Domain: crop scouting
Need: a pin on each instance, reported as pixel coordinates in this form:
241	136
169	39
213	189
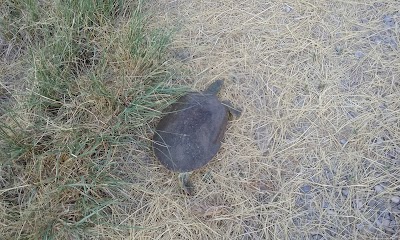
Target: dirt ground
316	152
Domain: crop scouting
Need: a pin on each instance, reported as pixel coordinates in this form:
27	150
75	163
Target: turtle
189	135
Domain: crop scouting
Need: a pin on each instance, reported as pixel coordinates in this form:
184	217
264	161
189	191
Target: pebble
378	188
395	199
305	189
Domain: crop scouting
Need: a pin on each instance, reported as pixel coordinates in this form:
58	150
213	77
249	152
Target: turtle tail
214	87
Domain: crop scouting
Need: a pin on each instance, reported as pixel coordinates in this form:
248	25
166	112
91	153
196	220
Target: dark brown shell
190	135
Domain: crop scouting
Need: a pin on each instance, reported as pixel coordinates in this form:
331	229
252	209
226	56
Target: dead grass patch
318	84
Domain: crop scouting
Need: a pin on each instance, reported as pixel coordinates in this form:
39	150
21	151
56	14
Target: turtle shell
190	135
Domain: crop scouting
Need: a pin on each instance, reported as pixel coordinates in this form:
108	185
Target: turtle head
214	87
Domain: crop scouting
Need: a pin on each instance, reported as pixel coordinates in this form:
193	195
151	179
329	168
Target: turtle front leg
185	182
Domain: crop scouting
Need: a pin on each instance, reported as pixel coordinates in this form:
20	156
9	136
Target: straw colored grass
318	83
314	155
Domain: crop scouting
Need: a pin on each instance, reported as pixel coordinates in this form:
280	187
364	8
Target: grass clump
93	79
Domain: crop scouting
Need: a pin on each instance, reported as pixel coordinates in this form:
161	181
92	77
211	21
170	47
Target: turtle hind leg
233	111
214	87
185	183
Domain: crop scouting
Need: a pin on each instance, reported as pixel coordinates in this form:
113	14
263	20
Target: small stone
359	54
378	188
345	192
305	189
395	199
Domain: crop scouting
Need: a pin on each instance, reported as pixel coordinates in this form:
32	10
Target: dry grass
315	154
318	83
